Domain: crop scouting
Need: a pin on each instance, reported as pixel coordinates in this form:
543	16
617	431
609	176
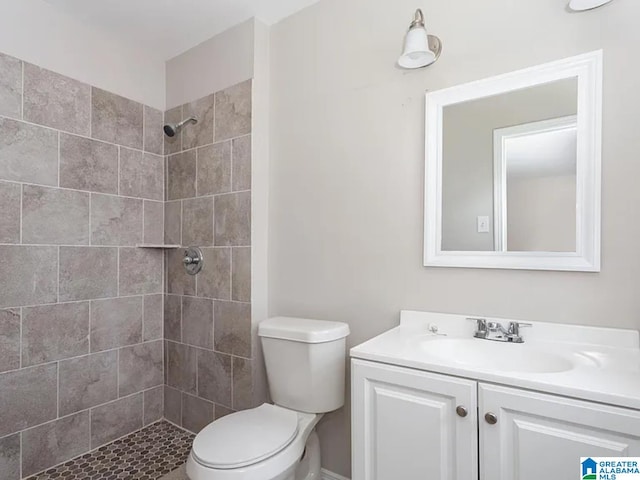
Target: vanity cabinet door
534	435
405	425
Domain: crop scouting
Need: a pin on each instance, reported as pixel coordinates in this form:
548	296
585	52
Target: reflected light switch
483	224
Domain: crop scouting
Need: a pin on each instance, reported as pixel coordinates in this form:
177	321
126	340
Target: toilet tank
305	361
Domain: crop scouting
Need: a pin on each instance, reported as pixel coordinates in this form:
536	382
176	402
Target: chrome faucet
497	332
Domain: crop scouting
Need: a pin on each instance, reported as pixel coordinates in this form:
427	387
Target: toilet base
309	466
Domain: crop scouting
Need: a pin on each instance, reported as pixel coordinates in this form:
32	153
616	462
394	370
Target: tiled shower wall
209	365
81	309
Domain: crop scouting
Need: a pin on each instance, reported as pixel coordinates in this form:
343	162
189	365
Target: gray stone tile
55	442
153	318
28	275
241	274
56	101
214	169
115	419
10	87
116	322
88	273
116	119
10	457
115	220
173	405
220	411
88	381
29	153
140	271
153	223
141	174
153	404
173	144
153	133
233	111
242	163
166	361
214	281
233	220
197	221
232	328
173	317
140	367
201	133
10	208
88	164
260	387
242	384
181	171
9	340
214	377
197	322
54	216
197	413
173	223
181	367
28	397
54	332
178	281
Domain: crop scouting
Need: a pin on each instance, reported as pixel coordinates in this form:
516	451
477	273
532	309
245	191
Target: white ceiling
170	27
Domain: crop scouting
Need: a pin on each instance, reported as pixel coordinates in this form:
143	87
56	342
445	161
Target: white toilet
305	361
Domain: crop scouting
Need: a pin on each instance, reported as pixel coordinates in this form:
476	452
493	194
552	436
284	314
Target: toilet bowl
305	364
264	443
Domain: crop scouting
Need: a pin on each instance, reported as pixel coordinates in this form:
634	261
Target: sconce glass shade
416	52
420	49
580	5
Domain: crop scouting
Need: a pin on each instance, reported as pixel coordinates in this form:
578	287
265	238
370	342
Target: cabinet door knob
491	418
461	411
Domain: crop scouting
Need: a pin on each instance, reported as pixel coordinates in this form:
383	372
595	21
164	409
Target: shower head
172	129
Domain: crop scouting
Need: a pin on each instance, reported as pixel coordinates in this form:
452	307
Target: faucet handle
514	327
479	321
481	327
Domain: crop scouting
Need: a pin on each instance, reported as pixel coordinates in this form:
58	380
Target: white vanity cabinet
405	424
543	436
406	427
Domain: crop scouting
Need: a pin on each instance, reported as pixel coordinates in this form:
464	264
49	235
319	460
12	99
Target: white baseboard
327	475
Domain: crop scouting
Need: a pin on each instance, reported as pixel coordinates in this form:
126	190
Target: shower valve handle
189	260
193	260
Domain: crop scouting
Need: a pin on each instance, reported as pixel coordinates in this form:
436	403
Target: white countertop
607	361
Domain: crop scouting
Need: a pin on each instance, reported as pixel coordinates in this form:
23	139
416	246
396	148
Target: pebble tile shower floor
147	454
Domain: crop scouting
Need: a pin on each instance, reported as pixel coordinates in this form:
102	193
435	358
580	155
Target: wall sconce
581	5
420	48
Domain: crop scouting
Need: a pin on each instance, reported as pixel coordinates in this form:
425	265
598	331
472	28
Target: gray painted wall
347	165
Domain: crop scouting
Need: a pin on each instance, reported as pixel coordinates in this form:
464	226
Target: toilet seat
245	438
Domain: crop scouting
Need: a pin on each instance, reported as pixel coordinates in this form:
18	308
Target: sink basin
501	357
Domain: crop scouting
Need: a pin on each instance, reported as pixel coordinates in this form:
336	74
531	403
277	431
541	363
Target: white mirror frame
588	70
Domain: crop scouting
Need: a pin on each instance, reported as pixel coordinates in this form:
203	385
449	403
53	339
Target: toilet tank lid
303	330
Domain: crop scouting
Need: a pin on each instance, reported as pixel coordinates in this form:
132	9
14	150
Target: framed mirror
513	169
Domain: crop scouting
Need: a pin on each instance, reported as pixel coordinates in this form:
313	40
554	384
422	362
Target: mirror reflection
509	171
